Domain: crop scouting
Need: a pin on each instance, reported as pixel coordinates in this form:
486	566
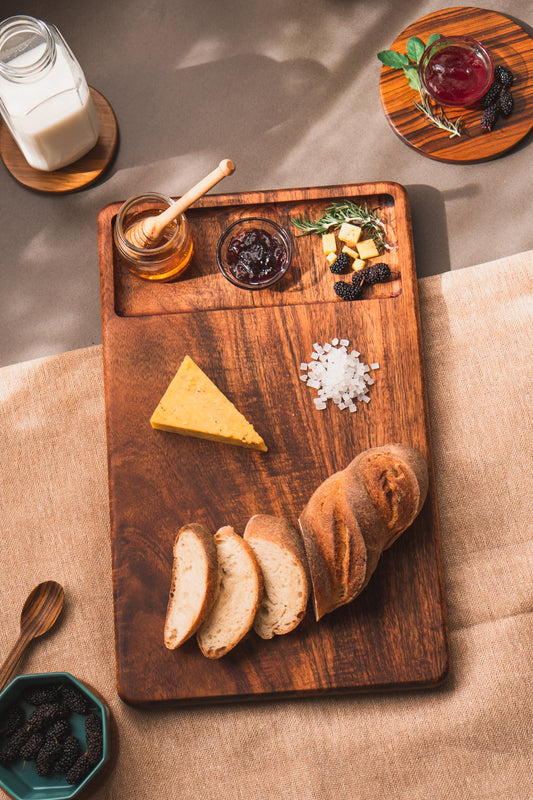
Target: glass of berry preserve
254	253
456	71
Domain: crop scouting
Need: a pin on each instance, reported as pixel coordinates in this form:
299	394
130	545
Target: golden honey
168	257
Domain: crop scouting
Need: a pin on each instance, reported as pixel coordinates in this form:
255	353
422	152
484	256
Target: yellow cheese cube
358	264
328	243
367	249
349	233
330	258
350	252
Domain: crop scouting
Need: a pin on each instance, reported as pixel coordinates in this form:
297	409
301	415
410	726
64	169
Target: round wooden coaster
508	44
74	176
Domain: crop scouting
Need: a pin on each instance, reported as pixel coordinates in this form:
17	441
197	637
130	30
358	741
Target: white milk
55	131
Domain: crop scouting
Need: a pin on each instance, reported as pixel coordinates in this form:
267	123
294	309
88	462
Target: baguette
354	515
238	597
396	478
194	583
280	554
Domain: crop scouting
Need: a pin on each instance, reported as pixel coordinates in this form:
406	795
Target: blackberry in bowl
254	253
55	737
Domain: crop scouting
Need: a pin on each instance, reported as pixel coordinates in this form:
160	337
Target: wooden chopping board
251	345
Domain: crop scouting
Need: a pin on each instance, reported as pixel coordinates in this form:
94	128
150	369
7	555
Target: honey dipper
148	230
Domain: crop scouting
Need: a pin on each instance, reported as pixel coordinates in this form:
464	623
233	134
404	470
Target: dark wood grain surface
508	44
251	344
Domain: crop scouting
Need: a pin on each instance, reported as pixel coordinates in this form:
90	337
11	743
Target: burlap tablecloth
470	738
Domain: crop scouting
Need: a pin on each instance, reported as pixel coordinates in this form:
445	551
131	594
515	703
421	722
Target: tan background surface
287	88
468	740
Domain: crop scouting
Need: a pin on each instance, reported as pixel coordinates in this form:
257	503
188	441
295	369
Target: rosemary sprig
439	120
346	211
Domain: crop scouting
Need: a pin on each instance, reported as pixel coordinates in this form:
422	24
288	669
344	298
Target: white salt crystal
337	375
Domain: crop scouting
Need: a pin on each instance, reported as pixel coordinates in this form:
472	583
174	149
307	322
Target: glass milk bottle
44	97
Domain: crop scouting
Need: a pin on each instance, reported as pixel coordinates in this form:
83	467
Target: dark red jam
456	76
256	256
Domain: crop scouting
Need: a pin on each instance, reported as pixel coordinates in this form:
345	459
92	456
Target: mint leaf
393	59
433	38
415	48
411	73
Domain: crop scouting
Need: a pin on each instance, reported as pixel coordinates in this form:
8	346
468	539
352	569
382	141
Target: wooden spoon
148	230
40	611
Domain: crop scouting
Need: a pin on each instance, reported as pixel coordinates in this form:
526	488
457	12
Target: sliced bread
238	598
194	583
280	553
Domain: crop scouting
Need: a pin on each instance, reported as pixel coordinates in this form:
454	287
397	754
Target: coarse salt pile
337	375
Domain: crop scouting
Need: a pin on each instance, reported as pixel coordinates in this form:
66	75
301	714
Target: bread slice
194	583
239	594
280	554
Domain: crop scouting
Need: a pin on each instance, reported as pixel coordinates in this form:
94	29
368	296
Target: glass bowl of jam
254	253
456	71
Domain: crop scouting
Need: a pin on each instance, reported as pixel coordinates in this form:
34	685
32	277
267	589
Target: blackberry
95	738
490	115
503	75
341	264
59	730
46	714
14	745
377	273
13	719
492	95
42	695
346	291
30	749
47	756
75	700
357	281
506	103
69	754
79	770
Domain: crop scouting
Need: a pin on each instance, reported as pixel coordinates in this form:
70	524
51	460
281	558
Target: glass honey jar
165	259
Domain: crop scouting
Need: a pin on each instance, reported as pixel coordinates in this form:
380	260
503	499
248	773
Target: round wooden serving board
508	44
75	176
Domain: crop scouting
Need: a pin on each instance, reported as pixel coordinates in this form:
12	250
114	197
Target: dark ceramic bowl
244	270
19	778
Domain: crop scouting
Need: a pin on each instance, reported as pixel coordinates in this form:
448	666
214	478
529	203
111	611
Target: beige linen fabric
468	739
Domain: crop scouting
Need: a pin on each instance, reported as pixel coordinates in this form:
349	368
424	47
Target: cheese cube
358	264
328	243
350	252
349	233
367	249
330	258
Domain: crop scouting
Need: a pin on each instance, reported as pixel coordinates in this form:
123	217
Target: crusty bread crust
396	478
354	515
239	594
185	614
280	553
